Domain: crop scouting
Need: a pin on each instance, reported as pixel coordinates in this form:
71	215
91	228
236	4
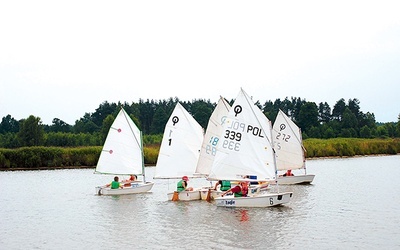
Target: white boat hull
259	200
186	195
297	179
135	188
217	193
214	193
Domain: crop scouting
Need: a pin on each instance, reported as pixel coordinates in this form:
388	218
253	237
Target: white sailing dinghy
289	150
179	151
209	146
246	149
122	154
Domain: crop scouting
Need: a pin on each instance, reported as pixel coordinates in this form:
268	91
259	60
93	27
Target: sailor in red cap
183	185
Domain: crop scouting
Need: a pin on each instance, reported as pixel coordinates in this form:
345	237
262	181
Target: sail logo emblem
223	119
282	127
175	120
238	109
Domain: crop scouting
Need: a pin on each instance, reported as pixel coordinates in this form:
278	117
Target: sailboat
179	151
246	149
289	150
210	142
122	154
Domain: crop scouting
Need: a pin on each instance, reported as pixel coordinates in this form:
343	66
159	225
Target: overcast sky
61	59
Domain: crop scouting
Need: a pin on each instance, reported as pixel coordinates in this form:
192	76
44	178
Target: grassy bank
57	157
339	147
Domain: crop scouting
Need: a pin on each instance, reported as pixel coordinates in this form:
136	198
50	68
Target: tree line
345	119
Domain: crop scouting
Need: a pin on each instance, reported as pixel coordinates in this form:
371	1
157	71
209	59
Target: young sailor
225	185
182	185
239	190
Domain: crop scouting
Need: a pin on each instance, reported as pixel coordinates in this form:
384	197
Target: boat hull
217	193
259	200
186	195
297	179
135	188
214	193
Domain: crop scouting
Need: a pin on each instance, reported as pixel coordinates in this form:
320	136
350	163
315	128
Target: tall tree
103	111
368	120
297	104
349	119
147	110
86	125
324	112
308	116
269	110
202	111
31	132
60	126
338	110
9	125
160	119
354	107
287	107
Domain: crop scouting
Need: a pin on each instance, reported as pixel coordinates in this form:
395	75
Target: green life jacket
114	185
180	187
225	185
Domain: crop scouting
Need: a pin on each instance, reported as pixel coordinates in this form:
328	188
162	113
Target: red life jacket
243	192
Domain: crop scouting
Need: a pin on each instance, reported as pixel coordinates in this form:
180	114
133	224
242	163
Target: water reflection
243	215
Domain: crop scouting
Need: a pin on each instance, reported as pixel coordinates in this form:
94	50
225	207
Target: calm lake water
352	204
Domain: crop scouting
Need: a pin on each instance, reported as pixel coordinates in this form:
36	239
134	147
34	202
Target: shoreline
151	165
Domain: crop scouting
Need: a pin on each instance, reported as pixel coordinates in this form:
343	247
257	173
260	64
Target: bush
151	154
55	157
350	147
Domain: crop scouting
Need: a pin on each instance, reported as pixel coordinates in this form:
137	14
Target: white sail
212	137
122	150
245	146
288	143
180	146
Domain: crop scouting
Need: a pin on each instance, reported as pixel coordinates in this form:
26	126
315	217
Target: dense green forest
341	131
344	120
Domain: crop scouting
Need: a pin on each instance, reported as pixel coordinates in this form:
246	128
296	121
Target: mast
275	164
141	148
304	152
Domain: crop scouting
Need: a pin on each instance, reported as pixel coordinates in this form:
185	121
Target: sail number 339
233	139
234	132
